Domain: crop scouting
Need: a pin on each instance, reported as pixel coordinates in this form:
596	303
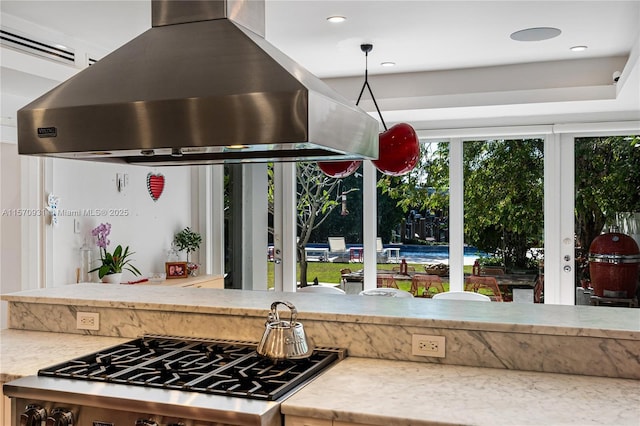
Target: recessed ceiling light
578	48
535	34
388	64
336	19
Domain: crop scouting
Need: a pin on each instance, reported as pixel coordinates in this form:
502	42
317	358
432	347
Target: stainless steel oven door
107	404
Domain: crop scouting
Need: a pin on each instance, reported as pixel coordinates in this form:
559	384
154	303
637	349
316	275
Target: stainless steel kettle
284	339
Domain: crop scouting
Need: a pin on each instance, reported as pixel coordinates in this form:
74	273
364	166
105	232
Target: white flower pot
112	278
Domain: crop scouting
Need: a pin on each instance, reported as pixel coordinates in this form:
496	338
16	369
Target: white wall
10	247
146	226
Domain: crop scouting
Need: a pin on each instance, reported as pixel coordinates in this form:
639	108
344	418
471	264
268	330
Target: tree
347	223
607	181
503	209
503	197
318	195
410	190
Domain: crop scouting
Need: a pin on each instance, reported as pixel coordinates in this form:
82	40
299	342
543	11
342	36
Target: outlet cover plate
88	321
425	345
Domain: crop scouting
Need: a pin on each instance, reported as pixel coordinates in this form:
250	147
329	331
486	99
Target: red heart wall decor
155	185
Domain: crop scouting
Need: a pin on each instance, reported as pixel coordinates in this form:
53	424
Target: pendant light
399	149
339	169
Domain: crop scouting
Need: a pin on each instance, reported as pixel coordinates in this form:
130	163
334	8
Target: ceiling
455	62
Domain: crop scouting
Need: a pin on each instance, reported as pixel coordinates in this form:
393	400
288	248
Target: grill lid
202	86
614	247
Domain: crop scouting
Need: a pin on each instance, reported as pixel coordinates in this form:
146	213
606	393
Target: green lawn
329	272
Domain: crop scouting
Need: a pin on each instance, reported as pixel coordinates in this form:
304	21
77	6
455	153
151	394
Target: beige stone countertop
592	321
23	353
400	393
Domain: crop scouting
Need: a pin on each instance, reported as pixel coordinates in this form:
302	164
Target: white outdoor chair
320	289
386	255
337	245
381	253
385	291
338	249
462	295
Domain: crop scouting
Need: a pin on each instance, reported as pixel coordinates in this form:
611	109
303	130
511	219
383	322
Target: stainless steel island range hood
202	86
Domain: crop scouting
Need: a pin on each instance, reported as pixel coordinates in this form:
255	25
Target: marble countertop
588	321
382	392
23	353
402	393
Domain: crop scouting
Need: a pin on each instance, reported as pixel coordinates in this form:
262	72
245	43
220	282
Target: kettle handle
273	316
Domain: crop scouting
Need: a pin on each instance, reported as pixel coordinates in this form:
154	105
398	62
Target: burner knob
60	417
146	422
33	415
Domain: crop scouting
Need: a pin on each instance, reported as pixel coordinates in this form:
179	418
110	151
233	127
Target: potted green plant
189	241
112	263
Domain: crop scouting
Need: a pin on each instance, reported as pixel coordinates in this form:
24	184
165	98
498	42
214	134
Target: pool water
436	254
425	254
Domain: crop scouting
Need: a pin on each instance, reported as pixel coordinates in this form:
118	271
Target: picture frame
176	270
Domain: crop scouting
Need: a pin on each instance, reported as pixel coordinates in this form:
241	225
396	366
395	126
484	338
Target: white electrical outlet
423	345
88	321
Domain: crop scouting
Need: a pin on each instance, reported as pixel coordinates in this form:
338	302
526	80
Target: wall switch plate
76	226
122	180
88	321
424	345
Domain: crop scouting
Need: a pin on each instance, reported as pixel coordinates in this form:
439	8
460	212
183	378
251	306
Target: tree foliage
503	208
607	181
317	196
503	194
503	197
410	191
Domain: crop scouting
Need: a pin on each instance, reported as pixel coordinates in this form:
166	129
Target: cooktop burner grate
209	366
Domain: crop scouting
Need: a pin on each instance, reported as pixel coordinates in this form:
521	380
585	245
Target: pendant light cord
366	48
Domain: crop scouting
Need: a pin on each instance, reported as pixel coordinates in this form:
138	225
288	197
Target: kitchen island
383	392
361	391
530	337
499	357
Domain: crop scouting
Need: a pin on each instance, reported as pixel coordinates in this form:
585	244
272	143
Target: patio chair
462	295
426	282
386	281
538	289
388	292
338	249
320	289
475	283
386	255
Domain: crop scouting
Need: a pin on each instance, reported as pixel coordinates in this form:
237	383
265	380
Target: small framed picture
176	269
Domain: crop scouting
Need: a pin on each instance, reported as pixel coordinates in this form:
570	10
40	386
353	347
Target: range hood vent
202	86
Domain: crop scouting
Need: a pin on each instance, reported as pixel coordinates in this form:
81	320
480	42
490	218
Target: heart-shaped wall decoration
155	185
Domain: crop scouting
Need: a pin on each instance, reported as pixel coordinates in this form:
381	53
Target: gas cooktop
218	367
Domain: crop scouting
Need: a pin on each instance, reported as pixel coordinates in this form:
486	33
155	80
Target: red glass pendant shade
399	150
398	147
339	169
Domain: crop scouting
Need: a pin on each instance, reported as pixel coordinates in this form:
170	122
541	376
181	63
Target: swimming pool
424	254
435	254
